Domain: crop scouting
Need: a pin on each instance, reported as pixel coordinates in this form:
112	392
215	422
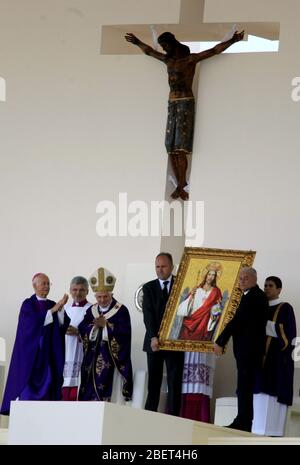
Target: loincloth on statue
180	125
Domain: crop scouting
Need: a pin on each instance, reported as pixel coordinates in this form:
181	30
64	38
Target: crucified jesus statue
181	65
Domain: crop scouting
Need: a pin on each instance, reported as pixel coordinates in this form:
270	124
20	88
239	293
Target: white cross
191	26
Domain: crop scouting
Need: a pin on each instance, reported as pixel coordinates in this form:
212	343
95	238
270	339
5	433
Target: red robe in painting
194	327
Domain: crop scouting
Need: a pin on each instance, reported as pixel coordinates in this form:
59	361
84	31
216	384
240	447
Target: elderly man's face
78	292
103	298
41	285
247	280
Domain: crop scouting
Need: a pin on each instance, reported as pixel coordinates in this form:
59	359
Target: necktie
165	291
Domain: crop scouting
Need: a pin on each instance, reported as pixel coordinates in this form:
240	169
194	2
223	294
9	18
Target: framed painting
204	298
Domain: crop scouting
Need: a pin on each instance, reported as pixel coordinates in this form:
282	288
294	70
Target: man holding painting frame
155	297
247	328
243	316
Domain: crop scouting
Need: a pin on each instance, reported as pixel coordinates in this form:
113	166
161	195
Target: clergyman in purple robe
106	335
273	390
37	362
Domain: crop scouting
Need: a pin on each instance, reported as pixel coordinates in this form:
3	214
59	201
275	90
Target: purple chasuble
36	367
102	357
276	376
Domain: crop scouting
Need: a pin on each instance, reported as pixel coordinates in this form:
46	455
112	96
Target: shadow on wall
225	378
297	382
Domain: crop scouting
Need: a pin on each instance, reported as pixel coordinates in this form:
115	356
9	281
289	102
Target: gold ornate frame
230	262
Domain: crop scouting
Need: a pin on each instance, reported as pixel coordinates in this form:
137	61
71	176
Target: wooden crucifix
181	65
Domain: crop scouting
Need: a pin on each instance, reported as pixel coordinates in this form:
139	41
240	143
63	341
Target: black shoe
233	425
239	426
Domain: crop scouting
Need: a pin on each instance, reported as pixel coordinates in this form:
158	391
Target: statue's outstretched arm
144	47
219	48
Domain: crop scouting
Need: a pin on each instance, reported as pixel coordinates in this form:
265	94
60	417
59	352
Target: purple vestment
36	367
276	377
101	357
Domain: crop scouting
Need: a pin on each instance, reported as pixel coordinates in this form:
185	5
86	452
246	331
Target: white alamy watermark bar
295	95
2	89
296	350
153	219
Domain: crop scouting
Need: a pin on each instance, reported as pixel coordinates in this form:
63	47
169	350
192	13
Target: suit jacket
153	310
248	328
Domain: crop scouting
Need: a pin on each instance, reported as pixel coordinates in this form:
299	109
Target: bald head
41	285
248	278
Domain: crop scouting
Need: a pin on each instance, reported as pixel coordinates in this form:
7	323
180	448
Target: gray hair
79	280
249	270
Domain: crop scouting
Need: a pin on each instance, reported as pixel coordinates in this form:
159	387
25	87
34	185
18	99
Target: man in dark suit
155	298
247	328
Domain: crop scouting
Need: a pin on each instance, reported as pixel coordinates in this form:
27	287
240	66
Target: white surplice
74	350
